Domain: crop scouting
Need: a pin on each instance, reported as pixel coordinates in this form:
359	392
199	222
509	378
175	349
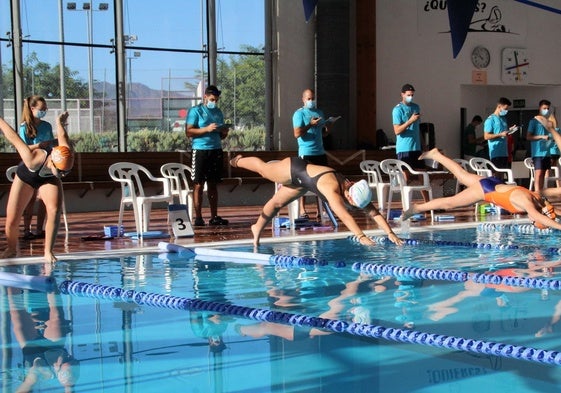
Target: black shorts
207	166
316	160
543	163
412	158
501	162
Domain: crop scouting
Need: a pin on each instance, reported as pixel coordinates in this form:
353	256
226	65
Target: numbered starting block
180	221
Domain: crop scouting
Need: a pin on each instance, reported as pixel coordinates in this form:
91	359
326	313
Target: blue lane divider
378	269
99	291
516	228
211	254
440	243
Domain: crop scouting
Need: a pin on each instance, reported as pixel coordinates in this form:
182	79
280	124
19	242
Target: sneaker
217	220
28	235
199	222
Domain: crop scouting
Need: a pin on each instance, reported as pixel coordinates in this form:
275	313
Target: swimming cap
361	193
62	158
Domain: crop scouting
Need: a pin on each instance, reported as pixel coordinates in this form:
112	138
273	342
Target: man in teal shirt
540	145
495	132
310	127
406	117
205	125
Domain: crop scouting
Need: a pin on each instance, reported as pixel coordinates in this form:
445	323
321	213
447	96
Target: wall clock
515	65
480	57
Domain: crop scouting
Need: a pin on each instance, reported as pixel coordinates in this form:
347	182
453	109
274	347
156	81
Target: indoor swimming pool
451	311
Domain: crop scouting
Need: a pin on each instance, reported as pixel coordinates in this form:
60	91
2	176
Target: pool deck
238	231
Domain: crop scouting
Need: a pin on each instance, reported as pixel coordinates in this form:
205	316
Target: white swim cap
361	193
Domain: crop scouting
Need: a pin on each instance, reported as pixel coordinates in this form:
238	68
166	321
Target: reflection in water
136	347
40	329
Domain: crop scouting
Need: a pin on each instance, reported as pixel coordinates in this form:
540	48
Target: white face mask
211	104
408	99
503	112
310	104
544	112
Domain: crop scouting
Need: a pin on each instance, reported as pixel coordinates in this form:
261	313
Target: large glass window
166	66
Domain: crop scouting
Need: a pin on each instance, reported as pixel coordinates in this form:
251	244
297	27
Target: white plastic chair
395	169
11	174
529	163
371	168
555	178
178	175
131	177
465	165
486	168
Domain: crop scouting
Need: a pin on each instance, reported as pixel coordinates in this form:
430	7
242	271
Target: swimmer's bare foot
255	331
407	214
256	235
437	315
544	330
234	161
8	253
429	154
50	257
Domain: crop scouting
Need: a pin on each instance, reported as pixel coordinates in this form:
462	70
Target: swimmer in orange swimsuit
513	198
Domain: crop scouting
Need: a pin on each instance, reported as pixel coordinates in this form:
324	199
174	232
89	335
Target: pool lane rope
210	254
515	228
440	243
378	269
99	291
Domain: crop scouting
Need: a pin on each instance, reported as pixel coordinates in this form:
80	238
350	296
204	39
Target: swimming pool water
123	346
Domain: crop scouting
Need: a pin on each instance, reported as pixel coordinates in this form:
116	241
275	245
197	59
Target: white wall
293	67
414	46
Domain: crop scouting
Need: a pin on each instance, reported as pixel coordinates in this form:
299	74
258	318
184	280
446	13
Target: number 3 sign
180	221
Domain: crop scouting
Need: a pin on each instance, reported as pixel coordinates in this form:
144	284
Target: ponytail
27	115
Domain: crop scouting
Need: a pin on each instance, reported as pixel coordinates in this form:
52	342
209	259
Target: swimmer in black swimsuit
40	168
297	177
43	349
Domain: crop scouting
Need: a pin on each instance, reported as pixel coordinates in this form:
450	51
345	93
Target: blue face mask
41	114
544	112
310	104
503	112
408	99
211	104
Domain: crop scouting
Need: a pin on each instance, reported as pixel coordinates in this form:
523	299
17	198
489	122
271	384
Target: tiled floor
240	217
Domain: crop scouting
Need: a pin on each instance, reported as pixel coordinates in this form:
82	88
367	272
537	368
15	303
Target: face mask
310	104
211	104
503	112
544	112
41	114
408	99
